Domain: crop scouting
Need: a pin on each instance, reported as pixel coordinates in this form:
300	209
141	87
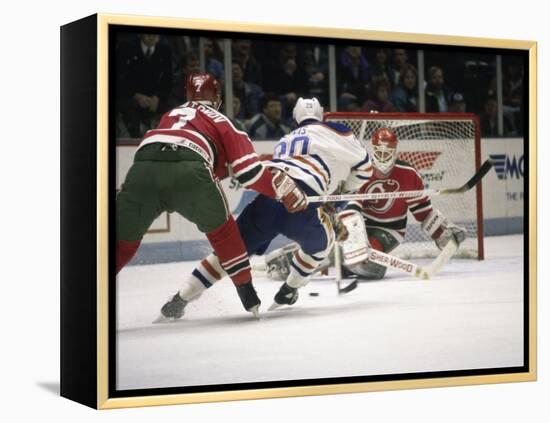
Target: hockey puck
313	294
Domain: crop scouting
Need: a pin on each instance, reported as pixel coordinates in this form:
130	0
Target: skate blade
274	306
162	319
255	311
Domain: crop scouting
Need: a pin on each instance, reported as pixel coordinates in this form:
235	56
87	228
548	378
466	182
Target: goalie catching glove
288	193
438	227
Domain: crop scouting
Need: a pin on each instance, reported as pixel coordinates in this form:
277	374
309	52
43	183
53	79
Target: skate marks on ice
218	311
469	316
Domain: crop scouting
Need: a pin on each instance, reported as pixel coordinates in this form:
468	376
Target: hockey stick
426	272
262	267
446	253
338	265
387	260
473	181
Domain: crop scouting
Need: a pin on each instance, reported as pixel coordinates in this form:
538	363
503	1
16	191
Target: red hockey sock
125	250
229	247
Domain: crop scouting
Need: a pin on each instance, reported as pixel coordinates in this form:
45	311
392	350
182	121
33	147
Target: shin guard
229	247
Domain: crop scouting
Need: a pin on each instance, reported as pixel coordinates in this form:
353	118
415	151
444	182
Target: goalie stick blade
348	288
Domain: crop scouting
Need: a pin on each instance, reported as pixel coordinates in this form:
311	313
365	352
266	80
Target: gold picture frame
95	393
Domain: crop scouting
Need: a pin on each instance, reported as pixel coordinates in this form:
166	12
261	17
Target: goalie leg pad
355	248
381	240
278	261
368	270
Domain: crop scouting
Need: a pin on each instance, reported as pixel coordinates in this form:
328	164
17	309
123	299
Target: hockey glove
339	228
451	232
438	227
292	197
342	233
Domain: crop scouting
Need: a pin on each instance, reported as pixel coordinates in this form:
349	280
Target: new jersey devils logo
387	185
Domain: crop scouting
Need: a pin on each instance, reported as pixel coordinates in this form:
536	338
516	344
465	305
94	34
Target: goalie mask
204	88
384	150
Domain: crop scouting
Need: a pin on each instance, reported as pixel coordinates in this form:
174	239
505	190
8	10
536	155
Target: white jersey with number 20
321	154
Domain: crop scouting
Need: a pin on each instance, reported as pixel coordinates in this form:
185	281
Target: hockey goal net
445	150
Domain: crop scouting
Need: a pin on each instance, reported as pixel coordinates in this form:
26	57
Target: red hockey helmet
204	88
384	149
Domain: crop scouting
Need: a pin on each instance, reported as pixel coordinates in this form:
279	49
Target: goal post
445	149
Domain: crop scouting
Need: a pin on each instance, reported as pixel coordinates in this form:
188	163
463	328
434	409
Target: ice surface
468	316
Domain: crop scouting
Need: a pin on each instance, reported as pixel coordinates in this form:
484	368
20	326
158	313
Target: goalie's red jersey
391	214
212	135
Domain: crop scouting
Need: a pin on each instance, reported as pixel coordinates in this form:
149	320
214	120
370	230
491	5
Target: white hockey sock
208	272
302	266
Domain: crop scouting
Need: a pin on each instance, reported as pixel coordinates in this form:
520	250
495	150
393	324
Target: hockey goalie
381	224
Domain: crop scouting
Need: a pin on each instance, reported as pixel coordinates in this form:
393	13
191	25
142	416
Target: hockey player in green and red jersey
178	166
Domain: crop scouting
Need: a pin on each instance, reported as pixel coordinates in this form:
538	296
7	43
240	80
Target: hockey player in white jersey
318	156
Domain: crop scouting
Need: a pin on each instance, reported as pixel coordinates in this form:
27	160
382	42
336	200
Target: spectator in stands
512	91
238	123
457	104
316	67
181	47
399	61
352	106
512	84
379	96
405	95
144	82
252	70
353	76
437	93
190	63
287	79
268	125
213	57
249	94
380	68
488	118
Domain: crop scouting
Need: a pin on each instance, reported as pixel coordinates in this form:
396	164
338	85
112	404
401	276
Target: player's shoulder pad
338	127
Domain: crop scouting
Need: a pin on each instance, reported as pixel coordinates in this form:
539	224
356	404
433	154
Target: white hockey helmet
307	108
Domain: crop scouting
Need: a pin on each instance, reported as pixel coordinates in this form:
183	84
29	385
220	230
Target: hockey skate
249	298
286	296
172	310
